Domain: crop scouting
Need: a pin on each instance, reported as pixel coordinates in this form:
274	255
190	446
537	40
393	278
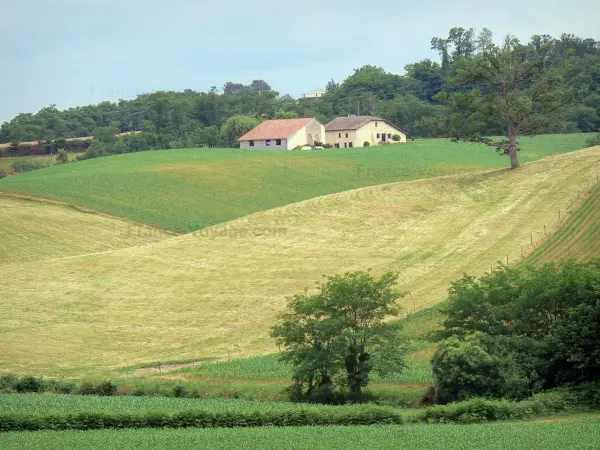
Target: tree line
422	101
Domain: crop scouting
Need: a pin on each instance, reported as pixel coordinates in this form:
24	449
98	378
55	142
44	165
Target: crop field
581	433
54	403
578	238
218	290
36	231
186	190
269	367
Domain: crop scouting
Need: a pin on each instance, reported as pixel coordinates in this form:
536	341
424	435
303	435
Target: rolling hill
37	231
578	238
186	190
219	289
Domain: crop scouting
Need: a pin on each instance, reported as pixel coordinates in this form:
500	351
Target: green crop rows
185	190
583	434
269	367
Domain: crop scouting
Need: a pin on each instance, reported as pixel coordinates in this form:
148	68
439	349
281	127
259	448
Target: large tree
508	88
341	333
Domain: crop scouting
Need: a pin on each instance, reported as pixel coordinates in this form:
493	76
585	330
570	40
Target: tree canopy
338	335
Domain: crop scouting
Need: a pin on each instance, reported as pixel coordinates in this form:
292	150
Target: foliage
396	137
517	330
507	88
26	165
62	157
3	172
235	127
341	332
593	141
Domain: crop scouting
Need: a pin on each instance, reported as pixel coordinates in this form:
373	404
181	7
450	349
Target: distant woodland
168	119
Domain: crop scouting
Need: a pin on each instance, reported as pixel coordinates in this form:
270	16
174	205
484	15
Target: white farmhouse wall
262	145
314	131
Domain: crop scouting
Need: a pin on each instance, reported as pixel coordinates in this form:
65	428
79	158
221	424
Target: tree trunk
512	146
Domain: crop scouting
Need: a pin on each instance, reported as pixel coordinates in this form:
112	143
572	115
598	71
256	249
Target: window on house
339	134
337	145
268	142
377	135
251	143
346	134
349	144
389	135
375	123
278	142
345	145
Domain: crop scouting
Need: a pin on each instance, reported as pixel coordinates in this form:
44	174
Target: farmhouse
283	134
354	131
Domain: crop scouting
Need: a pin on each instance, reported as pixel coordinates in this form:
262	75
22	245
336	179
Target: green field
577	433
185	190
53	403
269	367
577	238
217	291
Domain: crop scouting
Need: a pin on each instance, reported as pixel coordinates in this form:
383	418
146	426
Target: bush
26	165
104	388
10	421
366	144
3	172
28	384
327	145
396	137
62	157
593	141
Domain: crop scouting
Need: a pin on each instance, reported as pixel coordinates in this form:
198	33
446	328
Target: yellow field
35	231
220	288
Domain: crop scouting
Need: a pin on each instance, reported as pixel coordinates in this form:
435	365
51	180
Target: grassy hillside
220	289
578	237
185	190
35	231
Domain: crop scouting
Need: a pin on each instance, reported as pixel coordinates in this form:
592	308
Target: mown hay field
578	237
219	290
36	231
186	190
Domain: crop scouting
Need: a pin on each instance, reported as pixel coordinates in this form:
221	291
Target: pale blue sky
77	52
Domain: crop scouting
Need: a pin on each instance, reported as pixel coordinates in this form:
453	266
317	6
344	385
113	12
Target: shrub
104	388
396	137
26	165
327	145
593	141
28	384
3	172
62	157
366	144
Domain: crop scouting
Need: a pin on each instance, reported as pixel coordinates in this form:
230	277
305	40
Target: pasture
579	432
37	231
578	237
218	290
186	190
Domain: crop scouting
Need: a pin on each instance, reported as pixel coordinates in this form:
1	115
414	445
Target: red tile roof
275	129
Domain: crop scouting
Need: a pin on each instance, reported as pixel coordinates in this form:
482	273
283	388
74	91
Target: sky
79	52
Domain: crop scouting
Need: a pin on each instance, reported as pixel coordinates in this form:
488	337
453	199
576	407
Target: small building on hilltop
315	93
354	131
284	134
